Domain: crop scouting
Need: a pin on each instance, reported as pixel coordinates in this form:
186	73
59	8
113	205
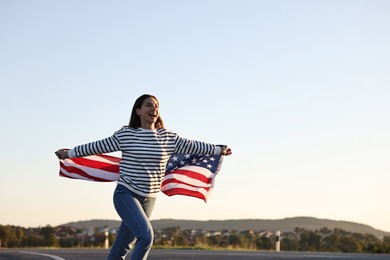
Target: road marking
324	256
36	253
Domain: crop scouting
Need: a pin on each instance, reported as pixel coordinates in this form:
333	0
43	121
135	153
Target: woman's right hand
62	154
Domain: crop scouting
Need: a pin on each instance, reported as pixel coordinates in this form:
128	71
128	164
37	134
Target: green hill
283	225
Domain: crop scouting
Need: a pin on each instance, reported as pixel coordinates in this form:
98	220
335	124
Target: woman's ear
137	111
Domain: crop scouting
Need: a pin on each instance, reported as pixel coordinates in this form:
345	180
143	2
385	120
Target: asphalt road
183	254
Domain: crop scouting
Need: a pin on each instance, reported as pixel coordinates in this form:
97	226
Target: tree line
48	236
322	240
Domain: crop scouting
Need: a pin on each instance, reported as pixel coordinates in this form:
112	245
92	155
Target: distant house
212	233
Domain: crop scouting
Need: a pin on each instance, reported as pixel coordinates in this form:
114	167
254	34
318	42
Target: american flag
189	175
101	168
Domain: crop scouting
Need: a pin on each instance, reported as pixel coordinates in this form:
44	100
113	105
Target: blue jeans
134	211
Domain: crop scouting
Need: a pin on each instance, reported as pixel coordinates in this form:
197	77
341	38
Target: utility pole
277	246
106	240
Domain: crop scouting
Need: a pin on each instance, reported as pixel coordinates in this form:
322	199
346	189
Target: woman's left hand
225	150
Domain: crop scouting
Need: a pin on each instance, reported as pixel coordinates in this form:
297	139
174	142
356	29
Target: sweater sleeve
186	146
106	145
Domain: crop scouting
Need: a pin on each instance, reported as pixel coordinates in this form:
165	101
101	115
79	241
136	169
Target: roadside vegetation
323	240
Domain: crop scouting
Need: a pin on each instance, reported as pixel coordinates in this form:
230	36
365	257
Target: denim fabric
135	212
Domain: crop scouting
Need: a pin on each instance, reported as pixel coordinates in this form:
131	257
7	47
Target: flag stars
176	161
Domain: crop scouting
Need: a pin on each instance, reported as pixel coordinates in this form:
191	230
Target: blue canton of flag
209	162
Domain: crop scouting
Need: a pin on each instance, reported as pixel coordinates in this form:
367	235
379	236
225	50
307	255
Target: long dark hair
135	120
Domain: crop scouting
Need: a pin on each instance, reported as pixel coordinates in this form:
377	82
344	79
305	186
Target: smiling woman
145	113
146	147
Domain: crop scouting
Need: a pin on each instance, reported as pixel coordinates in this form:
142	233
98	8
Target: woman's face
148	113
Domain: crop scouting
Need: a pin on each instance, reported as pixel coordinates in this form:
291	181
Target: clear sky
300	90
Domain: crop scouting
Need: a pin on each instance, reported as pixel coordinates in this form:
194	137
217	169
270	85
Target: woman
146	146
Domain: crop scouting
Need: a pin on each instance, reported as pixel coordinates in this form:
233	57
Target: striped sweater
144	155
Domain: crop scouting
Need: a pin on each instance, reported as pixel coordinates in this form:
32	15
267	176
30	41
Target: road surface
156	254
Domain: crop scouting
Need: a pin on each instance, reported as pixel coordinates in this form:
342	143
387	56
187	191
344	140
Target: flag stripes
181	179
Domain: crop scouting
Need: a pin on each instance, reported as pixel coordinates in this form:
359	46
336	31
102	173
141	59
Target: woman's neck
148	126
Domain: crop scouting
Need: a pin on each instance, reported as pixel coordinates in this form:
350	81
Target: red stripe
181	191
191	174
79	172
112	159
89	162
64	175
167	181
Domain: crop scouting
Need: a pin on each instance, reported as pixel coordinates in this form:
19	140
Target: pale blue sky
299	89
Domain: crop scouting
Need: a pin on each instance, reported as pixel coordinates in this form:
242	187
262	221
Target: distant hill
96	223
284	225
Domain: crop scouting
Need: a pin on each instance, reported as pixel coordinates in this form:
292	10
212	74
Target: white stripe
170	186
51	256
74	175
325	256
187	180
